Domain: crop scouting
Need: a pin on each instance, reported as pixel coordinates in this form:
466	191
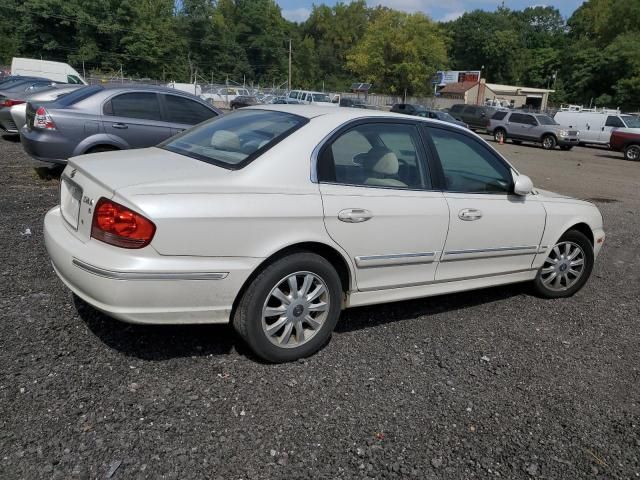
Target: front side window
546	120
233	140
613	121
321	97
522	119
142	105
186	111
469	166
375	155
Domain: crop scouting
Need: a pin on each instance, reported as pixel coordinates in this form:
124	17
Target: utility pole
289	64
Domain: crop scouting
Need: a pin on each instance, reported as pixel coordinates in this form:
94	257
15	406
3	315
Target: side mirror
523	185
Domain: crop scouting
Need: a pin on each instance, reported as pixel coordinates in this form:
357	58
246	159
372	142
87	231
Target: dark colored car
100	118
352	102
627	142
407	108
442	116
243	101
476	116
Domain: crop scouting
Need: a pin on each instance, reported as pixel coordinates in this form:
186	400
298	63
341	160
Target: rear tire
632	152
290	309
549	142
567	267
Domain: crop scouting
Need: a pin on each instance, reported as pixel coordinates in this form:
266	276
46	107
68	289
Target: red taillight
10	103
43	120
119	226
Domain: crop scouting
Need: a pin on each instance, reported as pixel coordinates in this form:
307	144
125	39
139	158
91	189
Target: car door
183	112
613	122
136	118
520	126
380	204
491	230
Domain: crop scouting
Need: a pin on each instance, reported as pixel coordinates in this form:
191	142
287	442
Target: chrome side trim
395	259
115	275
449	280
489	252
542	248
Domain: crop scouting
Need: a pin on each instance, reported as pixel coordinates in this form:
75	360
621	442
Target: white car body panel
216	227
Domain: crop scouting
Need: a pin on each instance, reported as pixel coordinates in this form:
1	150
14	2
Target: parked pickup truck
627	142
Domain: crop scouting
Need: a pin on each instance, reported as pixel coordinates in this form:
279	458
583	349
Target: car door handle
121	126
354	215
469	214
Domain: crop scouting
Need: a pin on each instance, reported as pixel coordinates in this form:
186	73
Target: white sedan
276	218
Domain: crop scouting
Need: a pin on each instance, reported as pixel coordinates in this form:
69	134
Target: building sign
457	76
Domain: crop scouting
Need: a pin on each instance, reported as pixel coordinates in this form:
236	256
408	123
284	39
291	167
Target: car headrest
225	140
382	161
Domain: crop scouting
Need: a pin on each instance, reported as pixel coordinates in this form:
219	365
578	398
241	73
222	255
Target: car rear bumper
46	146
6	121
142	286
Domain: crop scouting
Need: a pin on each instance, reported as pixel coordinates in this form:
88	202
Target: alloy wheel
633	152
295	309
563	267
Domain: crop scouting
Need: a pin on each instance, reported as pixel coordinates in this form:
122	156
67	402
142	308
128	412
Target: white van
312	98
192	88
596	126
56	71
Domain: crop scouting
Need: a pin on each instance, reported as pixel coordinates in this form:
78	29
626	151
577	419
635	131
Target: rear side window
613	121
469	166
143	105
186	111
374	155
499	115
470	110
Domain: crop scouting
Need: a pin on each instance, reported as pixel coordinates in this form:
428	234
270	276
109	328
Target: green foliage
592	57
399	52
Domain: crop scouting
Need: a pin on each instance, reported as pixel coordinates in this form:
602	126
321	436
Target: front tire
290	309
567	267
549	142
632	152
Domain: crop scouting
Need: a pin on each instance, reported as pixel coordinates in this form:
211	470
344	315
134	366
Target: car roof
342	114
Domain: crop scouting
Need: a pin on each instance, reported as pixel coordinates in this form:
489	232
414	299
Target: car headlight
563	133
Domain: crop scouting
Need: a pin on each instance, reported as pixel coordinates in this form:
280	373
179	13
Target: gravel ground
493	383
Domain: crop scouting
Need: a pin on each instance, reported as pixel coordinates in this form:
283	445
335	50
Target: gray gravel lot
489	384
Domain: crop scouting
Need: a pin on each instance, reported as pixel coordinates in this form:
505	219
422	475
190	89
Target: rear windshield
78	95
234	140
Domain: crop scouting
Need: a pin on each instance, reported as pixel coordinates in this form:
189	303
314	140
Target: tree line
593	57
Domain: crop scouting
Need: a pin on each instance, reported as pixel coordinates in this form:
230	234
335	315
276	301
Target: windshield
546	120
233	140
444	116
321	97
631	122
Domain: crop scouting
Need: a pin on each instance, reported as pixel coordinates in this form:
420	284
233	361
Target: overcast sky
298	10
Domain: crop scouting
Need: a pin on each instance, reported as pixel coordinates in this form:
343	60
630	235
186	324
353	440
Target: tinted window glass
186	111
457	108
376	155
613	121
79	95
468	165
136	105
518	118
545	120
499	115
470	110
233	140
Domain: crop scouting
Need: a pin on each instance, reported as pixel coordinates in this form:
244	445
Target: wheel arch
328	252
585	229
96	141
